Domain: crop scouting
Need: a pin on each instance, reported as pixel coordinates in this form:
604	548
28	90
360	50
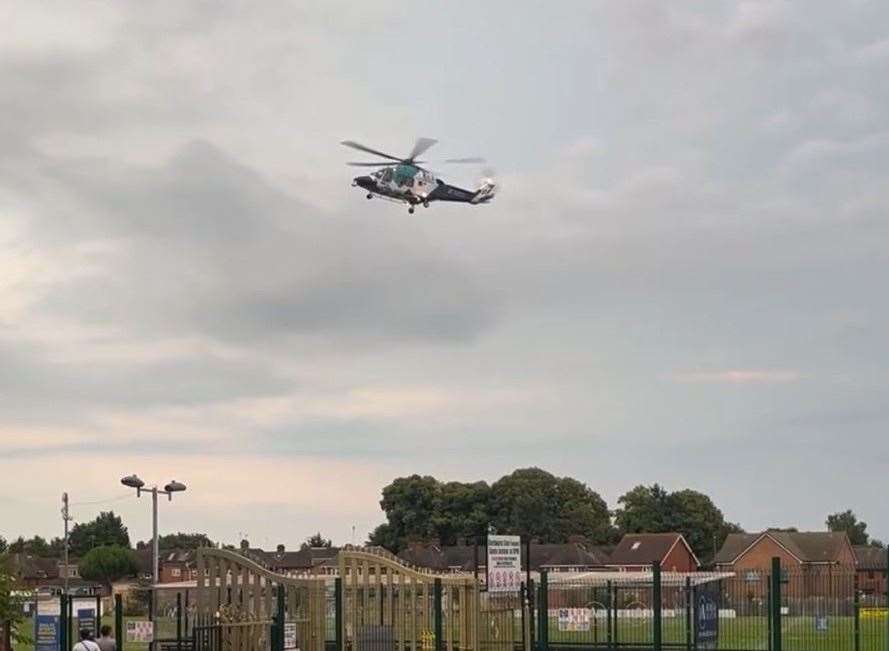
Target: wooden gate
389	606
239	598
381	604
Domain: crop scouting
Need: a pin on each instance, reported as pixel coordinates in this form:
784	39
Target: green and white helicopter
405	180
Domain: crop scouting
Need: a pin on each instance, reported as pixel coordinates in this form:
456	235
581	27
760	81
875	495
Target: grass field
741	634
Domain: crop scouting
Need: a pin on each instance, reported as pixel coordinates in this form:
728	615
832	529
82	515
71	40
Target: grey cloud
210	248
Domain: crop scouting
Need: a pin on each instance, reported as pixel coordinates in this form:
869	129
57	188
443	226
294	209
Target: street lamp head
174	487
132	481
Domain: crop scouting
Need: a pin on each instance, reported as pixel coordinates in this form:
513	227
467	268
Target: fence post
178	621
118	620
97	632
63	623
656	604
776	604
282	616
338	612
532	631
688	613
609	614
856	606
543	612
439	640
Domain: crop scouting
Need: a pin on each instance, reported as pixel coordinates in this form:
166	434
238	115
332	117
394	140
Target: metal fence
816	609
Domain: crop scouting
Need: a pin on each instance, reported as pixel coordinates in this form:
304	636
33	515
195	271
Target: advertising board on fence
574	619
707	616
290	641
140	631
47	635
86	619
504	563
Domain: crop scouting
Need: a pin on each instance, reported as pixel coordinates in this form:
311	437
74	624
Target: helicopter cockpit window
386	174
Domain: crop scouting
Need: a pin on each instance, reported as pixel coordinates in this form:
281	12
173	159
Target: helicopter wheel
410	210
369	195
425	204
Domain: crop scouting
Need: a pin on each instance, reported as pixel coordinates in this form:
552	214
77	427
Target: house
870	568
799	551
816	563
636	552
47	575
575	556
301	562
177	565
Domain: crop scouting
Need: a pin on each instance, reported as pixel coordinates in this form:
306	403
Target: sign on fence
47	635
86	619
707	616
574	619
504	563
290	641
140	631
821	624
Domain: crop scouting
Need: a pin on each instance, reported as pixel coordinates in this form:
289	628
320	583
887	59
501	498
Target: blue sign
707	616
86	619
821	624
47	634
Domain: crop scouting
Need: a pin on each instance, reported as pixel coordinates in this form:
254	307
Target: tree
179	540
107	564
317	540
651	509
409	505
11	612
854	528
536	503
3	545
107	529
36	546
644	509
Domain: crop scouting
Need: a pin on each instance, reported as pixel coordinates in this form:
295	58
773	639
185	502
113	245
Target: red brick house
871	569
637	551
815	563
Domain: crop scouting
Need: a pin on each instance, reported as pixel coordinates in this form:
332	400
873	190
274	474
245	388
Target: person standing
105	641
86	641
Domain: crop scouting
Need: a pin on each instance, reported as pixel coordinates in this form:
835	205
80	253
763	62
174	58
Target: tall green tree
316	540
848	522
651	509
179	540
107	529
108	564
12	628
36	546
536	503
3	545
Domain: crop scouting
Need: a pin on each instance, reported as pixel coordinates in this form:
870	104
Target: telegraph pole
66	518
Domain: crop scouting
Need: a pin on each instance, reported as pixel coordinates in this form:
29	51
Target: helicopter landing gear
369	195
410	210
425	204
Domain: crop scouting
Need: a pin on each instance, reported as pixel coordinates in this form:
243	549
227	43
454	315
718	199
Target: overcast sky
683	279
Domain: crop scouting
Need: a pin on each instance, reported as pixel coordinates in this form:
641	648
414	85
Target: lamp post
173	487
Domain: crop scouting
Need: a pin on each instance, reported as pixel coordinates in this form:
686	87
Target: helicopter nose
362	181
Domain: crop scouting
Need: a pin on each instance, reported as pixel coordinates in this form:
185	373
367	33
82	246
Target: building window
751	576
176	572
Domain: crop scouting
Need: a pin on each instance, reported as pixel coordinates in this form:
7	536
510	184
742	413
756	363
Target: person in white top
86	642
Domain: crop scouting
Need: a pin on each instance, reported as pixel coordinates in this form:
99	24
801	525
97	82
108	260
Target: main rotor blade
471	159
360	147
380	164
421	146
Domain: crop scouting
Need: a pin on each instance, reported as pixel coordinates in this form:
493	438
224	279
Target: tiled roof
870	558
644	548
807	546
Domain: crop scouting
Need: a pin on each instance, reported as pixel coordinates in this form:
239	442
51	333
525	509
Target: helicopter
405	180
